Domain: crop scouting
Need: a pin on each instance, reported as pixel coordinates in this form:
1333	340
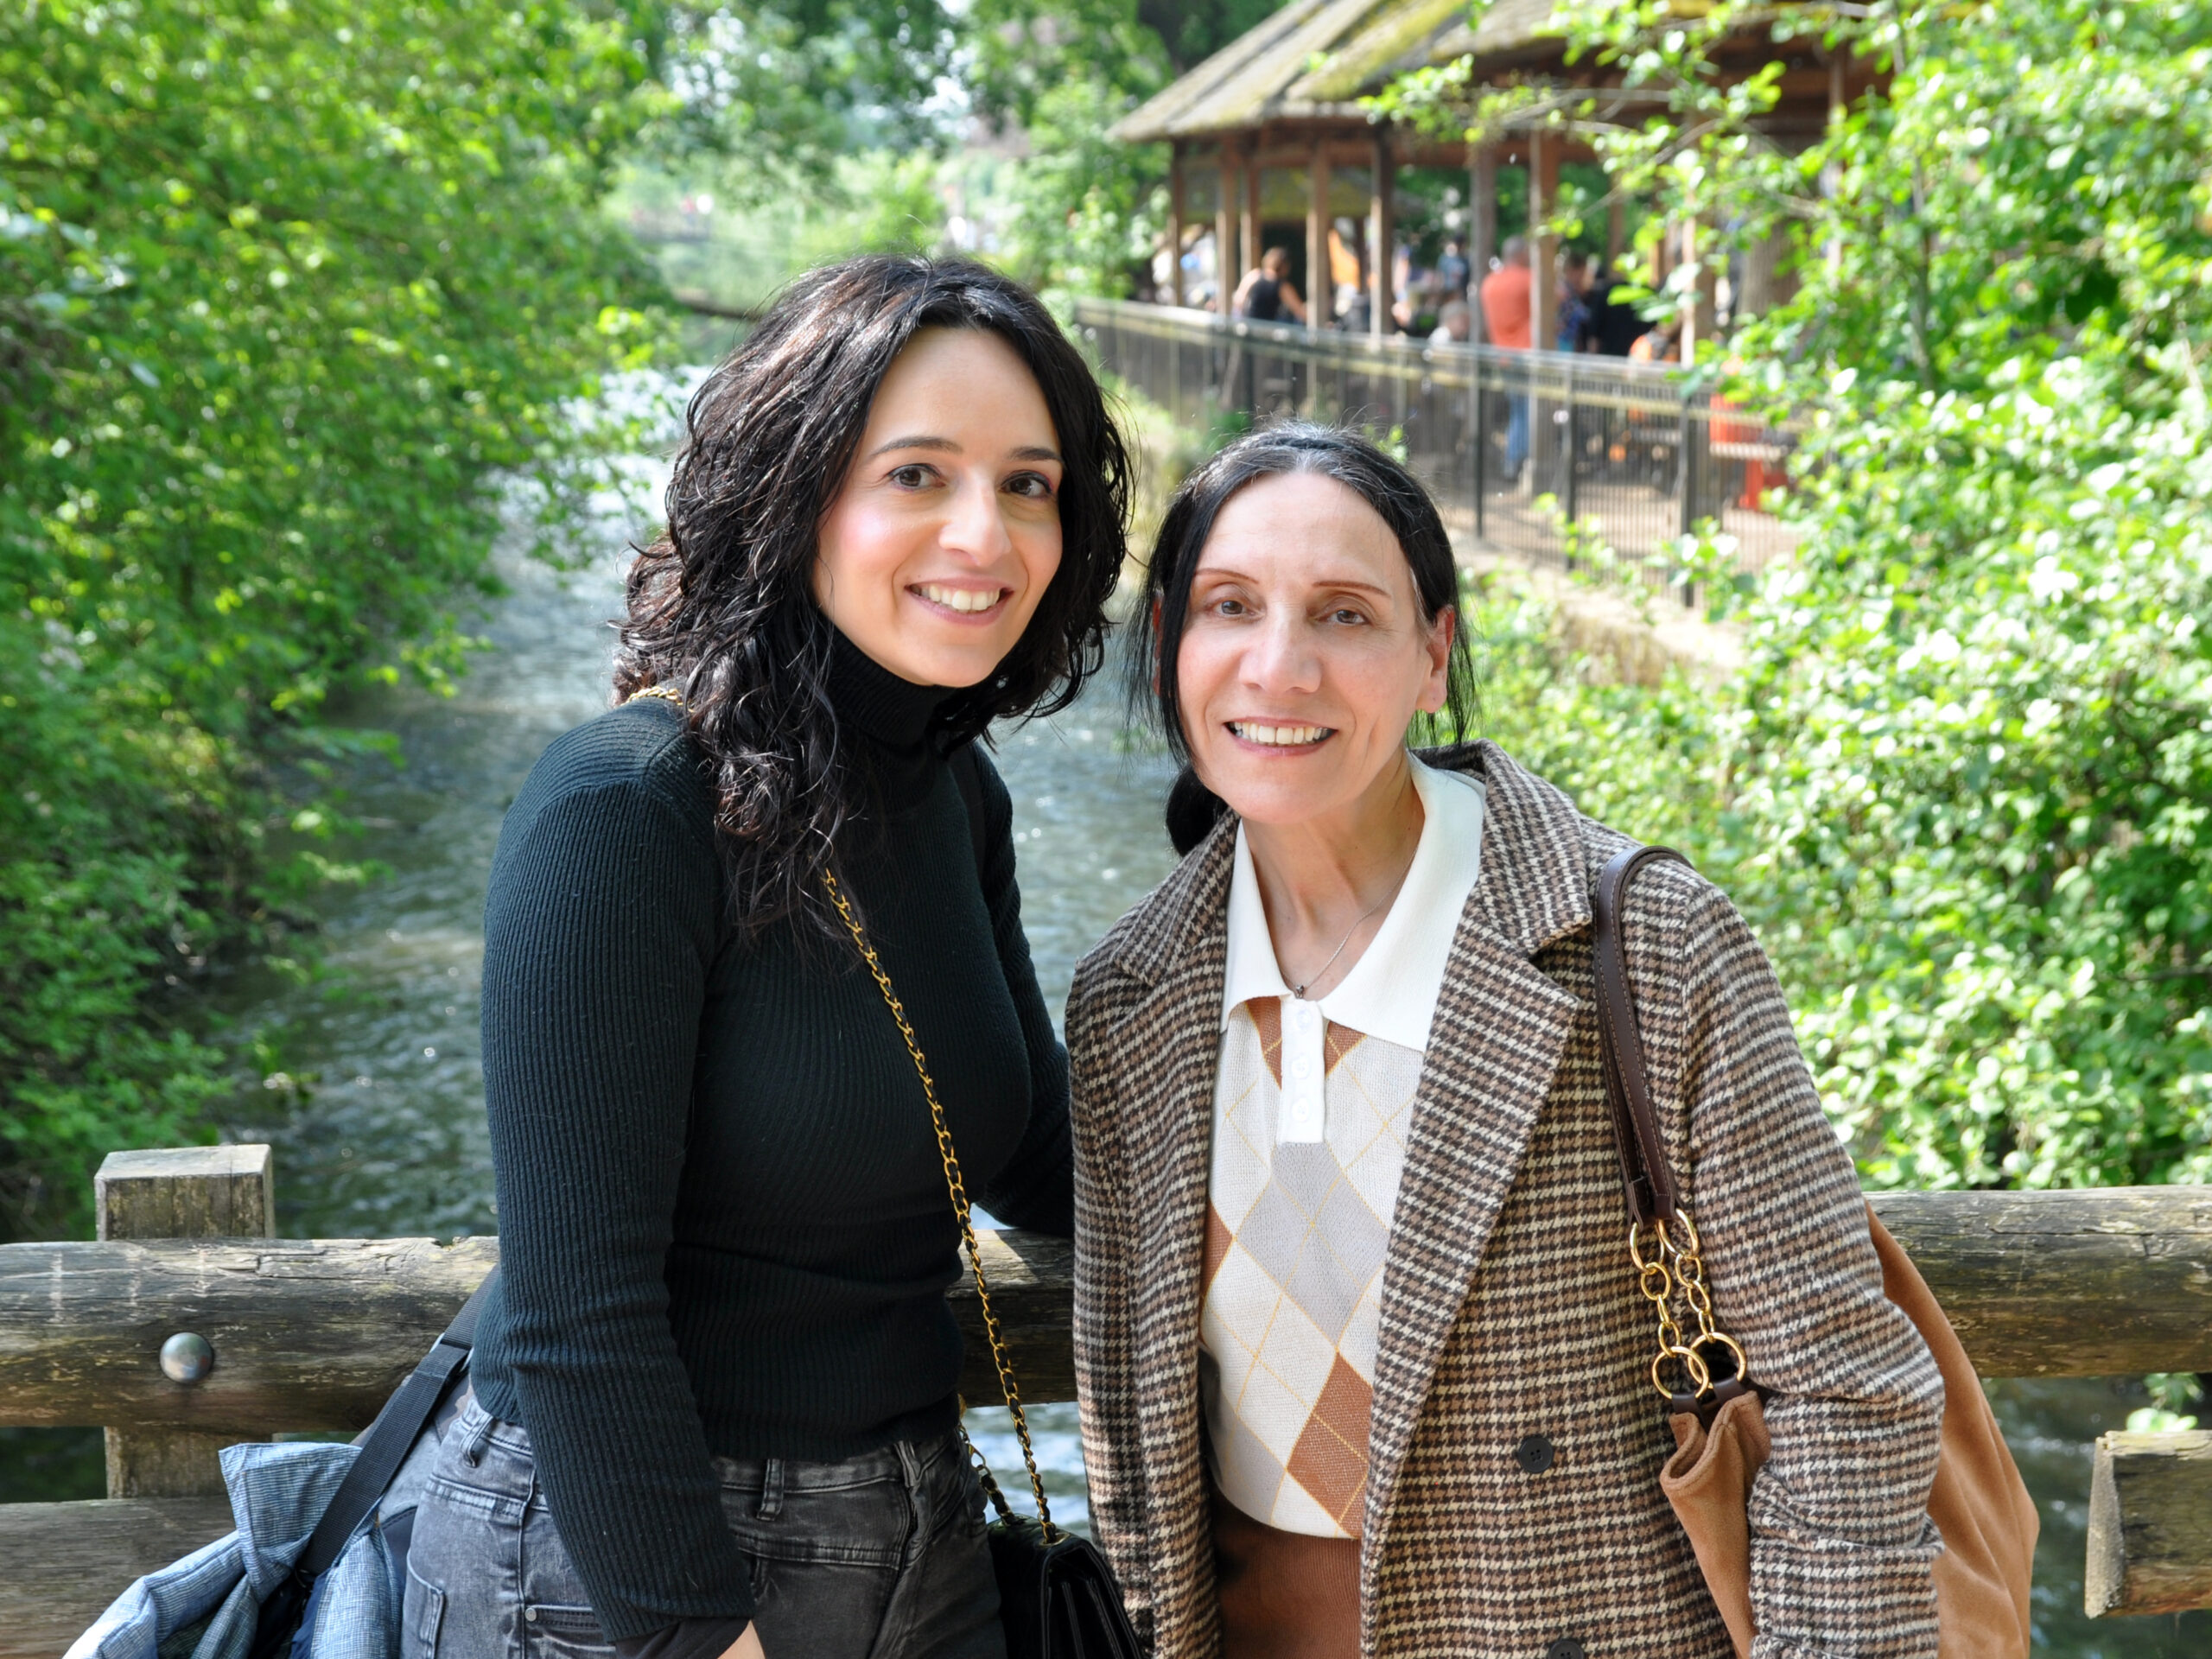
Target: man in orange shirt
1507	314
1505	298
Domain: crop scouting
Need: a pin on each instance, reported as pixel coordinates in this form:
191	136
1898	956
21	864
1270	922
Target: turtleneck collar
891	715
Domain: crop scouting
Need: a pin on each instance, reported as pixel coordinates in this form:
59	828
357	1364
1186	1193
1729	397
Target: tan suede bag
1978	1503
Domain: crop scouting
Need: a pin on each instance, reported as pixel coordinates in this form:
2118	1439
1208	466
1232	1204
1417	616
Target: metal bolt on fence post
181	1192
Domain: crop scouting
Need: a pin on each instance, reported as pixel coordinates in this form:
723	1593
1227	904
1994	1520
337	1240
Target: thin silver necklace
1299	991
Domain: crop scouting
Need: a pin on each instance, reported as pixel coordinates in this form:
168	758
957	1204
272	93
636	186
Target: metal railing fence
1536	453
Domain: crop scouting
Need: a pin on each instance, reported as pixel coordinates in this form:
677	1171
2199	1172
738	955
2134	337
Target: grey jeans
880	1556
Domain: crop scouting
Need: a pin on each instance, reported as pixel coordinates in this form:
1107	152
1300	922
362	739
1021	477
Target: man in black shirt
1610	327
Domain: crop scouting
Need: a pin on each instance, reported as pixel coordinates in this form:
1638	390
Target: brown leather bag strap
1647	1174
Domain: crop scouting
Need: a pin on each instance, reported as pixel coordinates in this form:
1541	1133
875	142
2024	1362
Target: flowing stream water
383	1133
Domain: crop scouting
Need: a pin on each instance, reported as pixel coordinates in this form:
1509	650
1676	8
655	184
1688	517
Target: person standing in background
1348	277
1574	301
1658	344
1453	271
1507	314
1614	323
1265	295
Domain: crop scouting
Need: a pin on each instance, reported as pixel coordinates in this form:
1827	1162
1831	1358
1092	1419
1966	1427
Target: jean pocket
422	1617
556	1632
820	1606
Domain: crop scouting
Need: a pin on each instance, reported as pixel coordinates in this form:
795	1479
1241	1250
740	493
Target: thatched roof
1314	58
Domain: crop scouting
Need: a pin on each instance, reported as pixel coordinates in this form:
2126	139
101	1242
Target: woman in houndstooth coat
1363	1365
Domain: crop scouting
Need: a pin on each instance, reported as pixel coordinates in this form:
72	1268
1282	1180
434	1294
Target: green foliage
1981	715
1022	49
1964	786
1086	210
294	291
1191	31
782	92
877	202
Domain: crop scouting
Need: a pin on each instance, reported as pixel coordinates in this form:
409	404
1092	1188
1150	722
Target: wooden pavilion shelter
1270	129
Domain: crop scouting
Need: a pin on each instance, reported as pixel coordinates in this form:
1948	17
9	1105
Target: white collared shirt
1313	1103
1391	991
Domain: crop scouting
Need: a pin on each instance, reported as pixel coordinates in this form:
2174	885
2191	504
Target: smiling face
1305	654
941	541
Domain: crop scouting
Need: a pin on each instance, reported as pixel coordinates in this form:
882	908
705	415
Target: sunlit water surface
385	1134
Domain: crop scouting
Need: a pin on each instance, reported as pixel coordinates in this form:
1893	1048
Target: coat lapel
1170	1149
1501	1026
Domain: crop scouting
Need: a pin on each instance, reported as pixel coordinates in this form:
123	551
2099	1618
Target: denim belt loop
472	1453
911	1472
771	1490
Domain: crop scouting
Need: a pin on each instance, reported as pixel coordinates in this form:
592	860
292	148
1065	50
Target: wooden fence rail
312	1335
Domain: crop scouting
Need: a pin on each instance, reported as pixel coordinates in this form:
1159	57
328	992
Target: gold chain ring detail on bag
958	1189
1660	1282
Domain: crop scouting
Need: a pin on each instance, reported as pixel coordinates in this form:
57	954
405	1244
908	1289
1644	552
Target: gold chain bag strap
954	1185
1978	1501
1057	1598
958	1189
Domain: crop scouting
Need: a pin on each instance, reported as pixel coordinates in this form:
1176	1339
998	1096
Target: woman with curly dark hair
713	1407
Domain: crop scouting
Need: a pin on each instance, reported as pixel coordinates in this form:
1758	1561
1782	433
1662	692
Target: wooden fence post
2150	1524
183	1192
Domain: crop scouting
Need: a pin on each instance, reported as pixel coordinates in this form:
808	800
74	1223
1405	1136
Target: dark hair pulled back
722	604
1290	447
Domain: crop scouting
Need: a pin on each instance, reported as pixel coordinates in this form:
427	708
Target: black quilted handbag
1057	1598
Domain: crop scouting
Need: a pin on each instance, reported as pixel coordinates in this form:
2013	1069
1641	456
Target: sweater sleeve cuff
690	1638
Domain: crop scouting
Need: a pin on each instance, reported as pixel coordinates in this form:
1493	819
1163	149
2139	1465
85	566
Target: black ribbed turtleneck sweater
722	1220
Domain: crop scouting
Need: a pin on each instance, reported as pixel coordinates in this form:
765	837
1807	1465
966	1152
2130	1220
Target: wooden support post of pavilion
1175	226
1482	228
1700	317
1543	293
1689	344
1320	285
1543	247
1225	228
1252	248
1381	231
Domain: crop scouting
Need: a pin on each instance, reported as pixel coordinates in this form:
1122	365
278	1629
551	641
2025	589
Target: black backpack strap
393	1434
968	772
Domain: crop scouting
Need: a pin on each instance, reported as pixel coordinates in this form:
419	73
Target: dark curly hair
723	606
1290	447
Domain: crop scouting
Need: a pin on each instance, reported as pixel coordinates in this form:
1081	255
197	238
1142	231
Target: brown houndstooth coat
1509	1307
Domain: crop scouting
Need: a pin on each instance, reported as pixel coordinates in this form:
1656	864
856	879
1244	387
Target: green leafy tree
1964	786
1087	210
780	94
295	290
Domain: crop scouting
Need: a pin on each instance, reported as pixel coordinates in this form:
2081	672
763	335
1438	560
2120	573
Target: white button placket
1304	1072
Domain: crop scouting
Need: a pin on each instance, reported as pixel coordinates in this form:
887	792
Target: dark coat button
1566	1648
1534	1455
